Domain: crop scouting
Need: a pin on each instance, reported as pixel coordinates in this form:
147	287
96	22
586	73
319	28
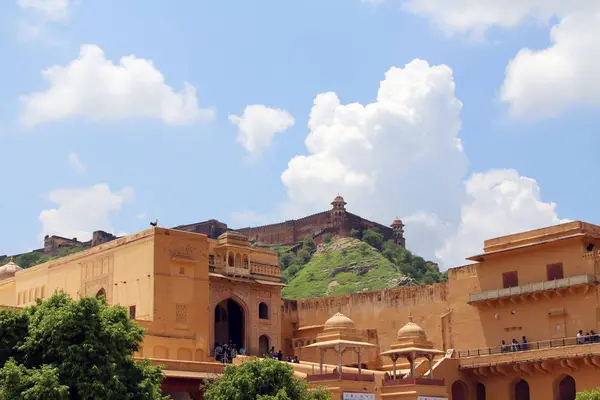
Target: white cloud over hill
402	154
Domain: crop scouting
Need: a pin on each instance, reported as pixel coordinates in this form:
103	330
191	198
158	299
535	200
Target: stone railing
187	366
521	347
264	269
345	376
413	381
531	288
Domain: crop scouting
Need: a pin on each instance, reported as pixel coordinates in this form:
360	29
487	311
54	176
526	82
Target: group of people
278	355
588	337
582	338
227	352
514	345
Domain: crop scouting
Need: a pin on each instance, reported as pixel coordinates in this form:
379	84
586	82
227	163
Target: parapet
538	236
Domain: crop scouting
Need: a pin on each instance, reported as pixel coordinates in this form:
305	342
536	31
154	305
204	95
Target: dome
338	199
339	321
411	331
9	270
397	221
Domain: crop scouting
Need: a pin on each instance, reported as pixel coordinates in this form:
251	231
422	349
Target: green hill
33	258
350	265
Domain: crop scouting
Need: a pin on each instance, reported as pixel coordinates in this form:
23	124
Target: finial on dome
410	316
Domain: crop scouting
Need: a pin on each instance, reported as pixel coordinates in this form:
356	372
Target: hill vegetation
350	265
30	259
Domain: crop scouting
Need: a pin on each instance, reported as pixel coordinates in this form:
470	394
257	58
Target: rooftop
536	237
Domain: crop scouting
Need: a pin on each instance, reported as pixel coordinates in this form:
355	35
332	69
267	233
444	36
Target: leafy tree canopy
588	395
65	349
261	380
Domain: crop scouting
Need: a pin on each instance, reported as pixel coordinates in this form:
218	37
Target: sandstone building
439	341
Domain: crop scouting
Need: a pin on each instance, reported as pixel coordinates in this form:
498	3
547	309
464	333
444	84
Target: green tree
588	395
309	244
66	349
355	233
373	238
261	380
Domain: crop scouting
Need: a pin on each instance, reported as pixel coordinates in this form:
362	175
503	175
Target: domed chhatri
412	335
338	200
397	222
339	321
411	332
9	270
411	343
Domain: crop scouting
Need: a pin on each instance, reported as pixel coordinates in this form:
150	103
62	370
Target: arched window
263	311
566	388
522	390
101	294
459	391
480	391
263	345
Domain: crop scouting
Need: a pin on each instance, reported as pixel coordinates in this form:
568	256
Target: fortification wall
287	232
441	309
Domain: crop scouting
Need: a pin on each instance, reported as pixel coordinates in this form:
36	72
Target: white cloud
400	155
544	83
49	9
92	86
476	16
499	202
258	125
79	212
76	164
538	83
40	16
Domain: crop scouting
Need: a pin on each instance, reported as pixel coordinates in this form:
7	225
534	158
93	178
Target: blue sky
281	55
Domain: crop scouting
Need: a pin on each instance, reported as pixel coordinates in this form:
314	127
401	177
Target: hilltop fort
333	222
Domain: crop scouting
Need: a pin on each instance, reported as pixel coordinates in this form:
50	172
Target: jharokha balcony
534	291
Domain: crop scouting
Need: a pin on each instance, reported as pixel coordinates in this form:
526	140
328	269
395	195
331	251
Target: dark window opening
132	312
566	388
263	311
510	279
522	390
480	391
554	271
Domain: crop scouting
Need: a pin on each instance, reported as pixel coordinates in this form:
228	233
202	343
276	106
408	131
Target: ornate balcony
535	291
264	269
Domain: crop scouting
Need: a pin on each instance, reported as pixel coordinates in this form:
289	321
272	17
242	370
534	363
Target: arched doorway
101	293
263	345
229	324
566	388
459	391
522	390
480	391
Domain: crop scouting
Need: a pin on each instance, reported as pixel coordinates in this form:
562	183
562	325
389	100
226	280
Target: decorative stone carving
186	251
97	274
